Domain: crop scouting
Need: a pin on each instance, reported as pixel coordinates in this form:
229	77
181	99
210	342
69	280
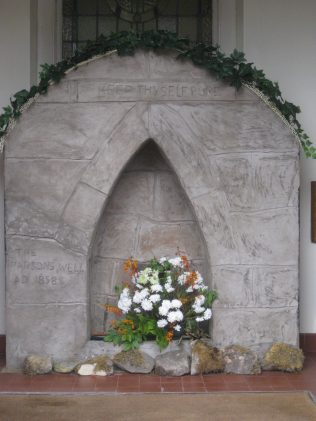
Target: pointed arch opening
148	214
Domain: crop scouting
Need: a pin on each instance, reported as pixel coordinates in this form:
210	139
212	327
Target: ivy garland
232	69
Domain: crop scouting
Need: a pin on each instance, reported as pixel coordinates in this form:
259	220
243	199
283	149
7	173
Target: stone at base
37	364
241	360
283	357
173	363
65	366
98	366
206	359
134	361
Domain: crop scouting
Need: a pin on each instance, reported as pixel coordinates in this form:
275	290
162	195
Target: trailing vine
232	69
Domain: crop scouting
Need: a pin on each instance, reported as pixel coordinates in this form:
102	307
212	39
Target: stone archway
235	160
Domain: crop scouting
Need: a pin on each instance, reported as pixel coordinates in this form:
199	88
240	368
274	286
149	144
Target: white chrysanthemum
125	301
148	275
199	300
182	278
156	288
198	304
147	305
176	261
198	309
177	328
169	288
190	289
155	298
137	310
175	316
139	296
164	307
162	259
199	319
135	278
162	323
207	314
176	303
168	284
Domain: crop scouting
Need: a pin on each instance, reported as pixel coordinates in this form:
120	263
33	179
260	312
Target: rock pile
196	357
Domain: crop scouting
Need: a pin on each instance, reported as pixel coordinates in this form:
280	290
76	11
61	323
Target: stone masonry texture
136	156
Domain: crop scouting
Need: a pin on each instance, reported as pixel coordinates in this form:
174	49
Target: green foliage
125	333
135	329
232	69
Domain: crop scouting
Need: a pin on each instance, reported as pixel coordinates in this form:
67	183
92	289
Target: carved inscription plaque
39	276
150	91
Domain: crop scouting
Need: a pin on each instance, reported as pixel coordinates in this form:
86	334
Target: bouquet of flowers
165	298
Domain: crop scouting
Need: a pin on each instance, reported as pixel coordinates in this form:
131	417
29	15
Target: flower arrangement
165	298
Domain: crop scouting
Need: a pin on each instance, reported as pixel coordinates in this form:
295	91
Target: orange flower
185	262
112	309
131	265
128	322
191	278
169	336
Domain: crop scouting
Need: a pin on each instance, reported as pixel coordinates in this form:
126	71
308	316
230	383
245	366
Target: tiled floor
134	383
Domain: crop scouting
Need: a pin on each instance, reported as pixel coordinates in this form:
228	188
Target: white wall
27	38
280	37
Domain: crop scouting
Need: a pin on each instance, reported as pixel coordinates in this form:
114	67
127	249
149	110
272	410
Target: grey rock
98	366
65	366
173	363
206	358
283	357
134	361
37	364
240	360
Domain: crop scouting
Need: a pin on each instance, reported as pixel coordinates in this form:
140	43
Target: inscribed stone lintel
154	90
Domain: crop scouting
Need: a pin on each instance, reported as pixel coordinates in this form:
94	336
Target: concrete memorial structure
138	156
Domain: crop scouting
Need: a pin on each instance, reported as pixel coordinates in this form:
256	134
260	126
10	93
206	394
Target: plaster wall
279	36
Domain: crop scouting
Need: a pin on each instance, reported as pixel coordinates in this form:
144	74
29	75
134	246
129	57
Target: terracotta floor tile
261	388
282	388
128	382
238	387
167	379
150	379
150	388
192	380
194	389
229	380
215	382
128	389
216	387
168	387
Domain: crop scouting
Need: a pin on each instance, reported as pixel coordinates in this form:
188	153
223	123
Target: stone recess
83	184
147	215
